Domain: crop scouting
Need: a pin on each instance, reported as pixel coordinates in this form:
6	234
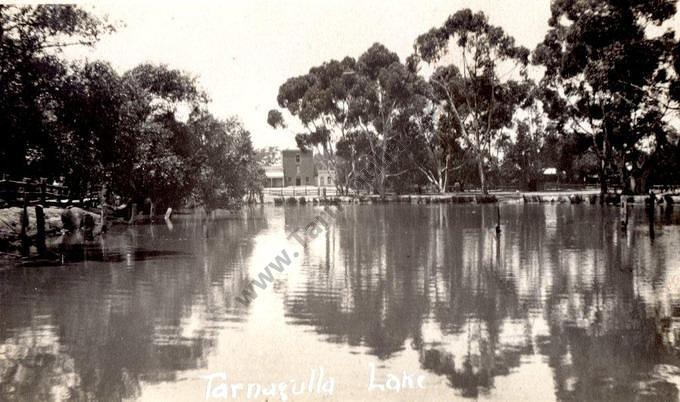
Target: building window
288	179
297	158
307	180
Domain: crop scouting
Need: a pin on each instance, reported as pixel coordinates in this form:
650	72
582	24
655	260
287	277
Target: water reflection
562	295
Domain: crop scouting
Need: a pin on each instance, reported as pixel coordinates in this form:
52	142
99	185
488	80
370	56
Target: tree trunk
482	179
446	172
603	168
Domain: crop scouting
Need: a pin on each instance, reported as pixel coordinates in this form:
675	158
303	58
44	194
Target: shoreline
591	197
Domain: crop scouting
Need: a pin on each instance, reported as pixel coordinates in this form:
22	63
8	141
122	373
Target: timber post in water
133	213
40	225
623	214
651	212
498	220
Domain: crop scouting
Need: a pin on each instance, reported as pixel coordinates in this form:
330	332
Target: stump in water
69	220
88	227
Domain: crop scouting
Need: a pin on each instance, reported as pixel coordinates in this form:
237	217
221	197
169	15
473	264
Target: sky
242	51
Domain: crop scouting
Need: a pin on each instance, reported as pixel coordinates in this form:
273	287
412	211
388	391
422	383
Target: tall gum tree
477	86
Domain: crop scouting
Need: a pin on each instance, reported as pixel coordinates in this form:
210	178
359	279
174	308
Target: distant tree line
146	133
597	98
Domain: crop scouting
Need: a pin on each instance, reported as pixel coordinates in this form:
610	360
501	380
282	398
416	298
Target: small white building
274	176
326	178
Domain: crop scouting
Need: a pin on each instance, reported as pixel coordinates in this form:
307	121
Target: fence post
40	224
43	190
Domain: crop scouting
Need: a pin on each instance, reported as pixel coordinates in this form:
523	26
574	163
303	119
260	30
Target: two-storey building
298	168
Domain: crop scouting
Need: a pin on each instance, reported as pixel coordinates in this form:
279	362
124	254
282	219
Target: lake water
562	306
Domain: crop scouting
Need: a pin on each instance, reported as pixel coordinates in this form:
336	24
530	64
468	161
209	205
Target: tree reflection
561	281
143	307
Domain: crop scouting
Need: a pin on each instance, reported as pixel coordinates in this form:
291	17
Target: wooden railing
31	192
301	191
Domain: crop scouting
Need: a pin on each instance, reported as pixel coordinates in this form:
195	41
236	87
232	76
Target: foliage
609	78
268	156
31	74
227	162
609	90
146	132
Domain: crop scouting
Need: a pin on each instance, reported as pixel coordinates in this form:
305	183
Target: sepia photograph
340	200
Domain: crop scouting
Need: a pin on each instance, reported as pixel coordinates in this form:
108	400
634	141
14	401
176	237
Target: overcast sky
241	52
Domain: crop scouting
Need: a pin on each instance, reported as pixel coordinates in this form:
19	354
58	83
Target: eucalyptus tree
389	95
353	103
322	102
481	85
521	156
610	77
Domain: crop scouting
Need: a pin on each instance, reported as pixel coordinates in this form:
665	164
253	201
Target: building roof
273	172
296	151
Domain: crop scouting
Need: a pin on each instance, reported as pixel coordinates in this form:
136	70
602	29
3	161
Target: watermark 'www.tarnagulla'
318	225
